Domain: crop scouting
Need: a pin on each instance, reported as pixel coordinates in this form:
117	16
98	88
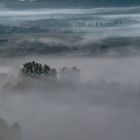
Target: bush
9	132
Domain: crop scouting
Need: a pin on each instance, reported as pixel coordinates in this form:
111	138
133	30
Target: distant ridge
69	3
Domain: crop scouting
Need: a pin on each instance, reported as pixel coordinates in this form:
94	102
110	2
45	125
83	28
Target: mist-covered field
102	42
91	32
106	108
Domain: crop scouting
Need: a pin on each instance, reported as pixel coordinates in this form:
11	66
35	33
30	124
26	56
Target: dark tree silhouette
37	70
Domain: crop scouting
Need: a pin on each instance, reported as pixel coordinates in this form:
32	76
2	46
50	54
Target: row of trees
37	70
108	23
98	23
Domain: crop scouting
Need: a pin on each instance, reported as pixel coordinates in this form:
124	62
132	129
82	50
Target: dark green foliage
37	70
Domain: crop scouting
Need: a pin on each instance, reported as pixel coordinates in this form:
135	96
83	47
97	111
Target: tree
37	70
8	132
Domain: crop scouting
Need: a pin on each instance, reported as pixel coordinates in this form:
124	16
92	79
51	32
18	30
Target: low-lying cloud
105	105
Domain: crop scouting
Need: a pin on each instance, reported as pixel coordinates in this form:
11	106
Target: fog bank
106	109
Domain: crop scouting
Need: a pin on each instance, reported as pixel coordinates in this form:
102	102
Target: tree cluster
109	23
37	70
34	69
70	74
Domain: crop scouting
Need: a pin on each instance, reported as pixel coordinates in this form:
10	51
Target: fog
104	105
128	13
129	16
